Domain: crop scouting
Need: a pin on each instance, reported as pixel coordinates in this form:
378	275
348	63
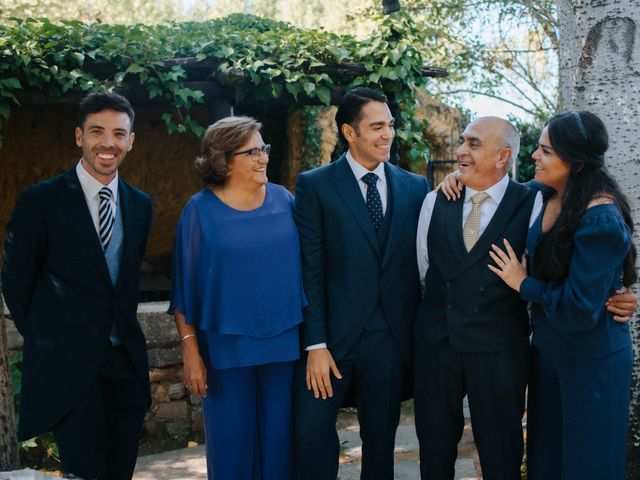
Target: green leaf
4	110
31	443
167	118
324	94
12	83
79	57
135	68
309	88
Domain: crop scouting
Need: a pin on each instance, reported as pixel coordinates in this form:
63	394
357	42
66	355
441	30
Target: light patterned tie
472	225
106	219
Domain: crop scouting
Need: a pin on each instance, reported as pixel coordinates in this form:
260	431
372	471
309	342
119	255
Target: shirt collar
91	186
495	191
359	171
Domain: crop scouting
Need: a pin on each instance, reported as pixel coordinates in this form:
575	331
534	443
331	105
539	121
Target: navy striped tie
106	219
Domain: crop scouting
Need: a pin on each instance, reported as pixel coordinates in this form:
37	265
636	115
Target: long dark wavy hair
580	139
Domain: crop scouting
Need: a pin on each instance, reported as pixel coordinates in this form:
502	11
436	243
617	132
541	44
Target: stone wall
175	417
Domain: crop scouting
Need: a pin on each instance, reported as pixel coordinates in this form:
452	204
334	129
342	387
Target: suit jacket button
482	288
448	285
449	306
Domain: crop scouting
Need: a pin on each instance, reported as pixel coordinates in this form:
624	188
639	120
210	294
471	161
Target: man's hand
623	305
320	364
451	187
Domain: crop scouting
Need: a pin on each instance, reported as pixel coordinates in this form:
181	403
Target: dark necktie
374	204
106	219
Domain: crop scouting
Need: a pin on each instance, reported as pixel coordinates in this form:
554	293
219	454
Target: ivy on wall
268	58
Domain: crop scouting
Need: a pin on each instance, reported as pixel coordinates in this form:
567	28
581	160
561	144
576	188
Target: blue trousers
248	423
577	416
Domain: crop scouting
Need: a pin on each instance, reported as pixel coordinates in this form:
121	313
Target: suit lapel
498	224
81	221
397	187
128	225
346	185
454	227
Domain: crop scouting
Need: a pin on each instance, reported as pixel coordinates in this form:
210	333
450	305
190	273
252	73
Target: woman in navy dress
237	300
580	252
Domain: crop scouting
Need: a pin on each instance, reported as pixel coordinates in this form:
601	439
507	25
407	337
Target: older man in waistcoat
471	331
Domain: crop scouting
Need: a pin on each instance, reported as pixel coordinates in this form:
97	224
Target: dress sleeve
601	242
186	263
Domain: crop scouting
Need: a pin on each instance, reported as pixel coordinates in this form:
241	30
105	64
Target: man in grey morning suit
71	279
357	221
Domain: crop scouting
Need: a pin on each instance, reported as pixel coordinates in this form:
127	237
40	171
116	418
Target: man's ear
503	160
349	132
78	136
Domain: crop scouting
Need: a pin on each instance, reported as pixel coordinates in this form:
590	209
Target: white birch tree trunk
600	72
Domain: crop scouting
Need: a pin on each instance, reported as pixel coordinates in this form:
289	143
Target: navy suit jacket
57	286
344	272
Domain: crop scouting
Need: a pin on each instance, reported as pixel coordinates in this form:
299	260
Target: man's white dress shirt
91	189
487	210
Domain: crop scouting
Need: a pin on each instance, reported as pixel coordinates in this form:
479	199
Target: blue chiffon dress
237	279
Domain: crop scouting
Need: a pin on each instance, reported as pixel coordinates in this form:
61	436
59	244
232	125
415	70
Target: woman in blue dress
580	252
237	299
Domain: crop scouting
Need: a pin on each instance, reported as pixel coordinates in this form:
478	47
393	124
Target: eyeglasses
254	153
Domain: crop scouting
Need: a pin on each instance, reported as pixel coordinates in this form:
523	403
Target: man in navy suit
71	278
357	220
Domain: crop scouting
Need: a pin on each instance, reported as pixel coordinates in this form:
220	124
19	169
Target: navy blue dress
580	388
237	278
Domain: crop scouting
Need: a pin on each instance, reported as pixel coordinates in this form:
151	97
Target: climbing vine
268	58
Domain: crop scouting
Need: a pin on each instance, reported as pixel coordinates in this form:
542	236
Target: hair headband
583	132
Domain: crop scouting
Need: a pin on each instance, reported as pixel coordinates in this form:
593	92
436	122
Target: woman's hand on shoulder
451	186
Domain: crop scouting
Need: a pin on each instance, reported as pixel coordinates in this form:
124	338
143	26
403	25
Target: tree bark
8	442
600	72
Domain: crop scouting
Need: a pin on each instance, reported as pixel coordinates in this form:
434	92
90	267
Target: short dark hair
350	109
218	142
98	101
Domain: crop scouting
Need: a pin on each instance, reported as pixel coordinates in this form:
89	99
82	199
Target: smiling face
551	170
371	137
482	156
244	170
105	139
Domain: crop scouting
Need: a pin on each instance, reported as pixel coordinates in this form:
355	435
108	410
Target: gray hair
511	138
